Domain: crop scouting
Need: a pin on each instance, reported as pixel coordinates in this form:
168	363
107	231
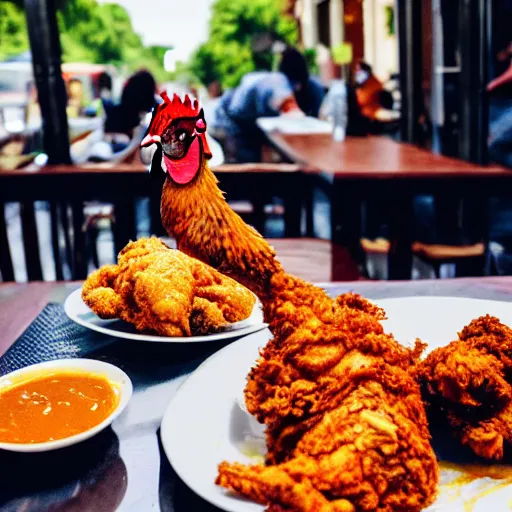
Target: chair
468	259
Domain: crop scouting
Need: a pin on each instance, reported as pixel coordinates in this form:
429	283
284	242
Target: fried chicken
346	427
469	381
163	291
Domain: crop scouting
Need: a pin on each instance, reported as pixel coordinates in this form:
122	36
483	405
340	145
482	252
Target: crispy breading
469	382
346	426
164	291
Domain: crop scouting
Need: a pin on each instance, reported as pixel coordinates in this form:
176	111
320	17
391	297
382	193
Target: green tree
89	32
13	34
227	55
86	32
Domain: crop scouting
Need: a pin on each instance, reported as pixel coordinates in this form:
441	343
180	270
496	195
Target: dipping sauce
55	405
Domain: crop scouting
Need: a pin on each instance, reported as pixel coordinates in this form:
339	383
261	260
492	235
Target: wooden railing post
51	91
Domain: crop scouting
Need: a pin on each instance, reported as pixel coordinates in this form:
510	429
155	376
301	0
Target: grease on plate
254	448
473	487
54	406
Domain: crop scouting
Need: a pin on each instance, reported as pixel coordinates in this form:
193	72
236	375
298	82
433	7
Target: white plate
214	428
114	374
80	313
437	320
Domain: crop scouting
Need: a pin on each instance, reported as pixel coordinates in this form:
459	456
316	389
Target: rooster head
176	138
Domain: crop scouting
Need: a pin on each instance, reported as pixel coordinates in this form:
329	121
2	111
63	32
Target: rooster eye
182	136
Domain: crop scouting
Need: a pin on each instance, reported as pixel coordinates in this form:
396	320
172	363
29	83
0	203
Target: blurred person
105	86
289	91
308	91
76	98
100	105
137	99
33	108
371	95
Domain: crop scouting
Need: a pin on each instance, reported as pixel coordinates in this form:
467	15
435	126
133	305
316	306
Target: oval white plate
107	370
216	428
80	313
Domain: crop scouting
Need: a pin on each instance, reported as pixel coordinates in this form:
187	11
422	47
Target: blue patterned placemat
52	335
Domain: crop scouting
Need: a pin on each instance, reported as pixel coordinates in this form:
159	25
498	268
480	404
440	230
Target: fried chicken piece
164	291
98	292
346	426
469	381
276	486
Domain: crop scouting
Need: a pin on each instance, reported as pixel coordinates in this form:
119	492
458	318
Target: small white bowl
91	366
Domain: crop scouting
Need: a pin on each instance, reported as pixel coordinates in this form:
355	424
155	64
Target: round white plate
204	421
437	320
80	313
112	373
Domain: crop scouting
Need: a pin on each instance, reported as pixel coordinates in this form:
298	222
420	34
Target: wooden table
120	184
369	167
126	468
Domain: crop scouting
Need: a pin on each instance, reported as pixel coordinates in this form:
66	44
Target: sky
179	23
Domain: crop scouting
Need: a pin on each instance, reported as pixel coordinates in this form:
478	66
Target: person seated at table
375	102
289	91
137	99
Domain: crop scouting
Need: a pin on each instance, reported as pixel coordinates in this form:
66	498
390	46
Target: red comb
169	110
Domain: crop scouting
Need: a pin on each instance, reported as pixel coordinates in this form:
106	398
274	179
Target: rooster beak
149	146
147	153
150	139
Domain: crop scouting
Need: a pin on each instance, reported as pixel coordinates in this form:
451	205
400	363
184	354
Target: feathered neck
206	227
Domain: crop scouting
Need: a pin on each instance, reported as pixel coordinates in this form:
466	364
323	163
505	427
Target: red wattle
183	171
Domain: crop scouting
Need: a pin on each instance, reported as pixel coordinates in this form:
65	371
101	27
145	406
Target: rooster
345	424
194	210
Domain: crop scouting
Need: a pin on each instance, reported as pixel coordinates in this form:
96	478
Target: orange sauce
54	406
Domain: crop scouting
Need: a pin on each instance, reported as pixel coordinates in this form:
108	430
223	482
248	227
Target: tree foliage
89	32
13	34
227	55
